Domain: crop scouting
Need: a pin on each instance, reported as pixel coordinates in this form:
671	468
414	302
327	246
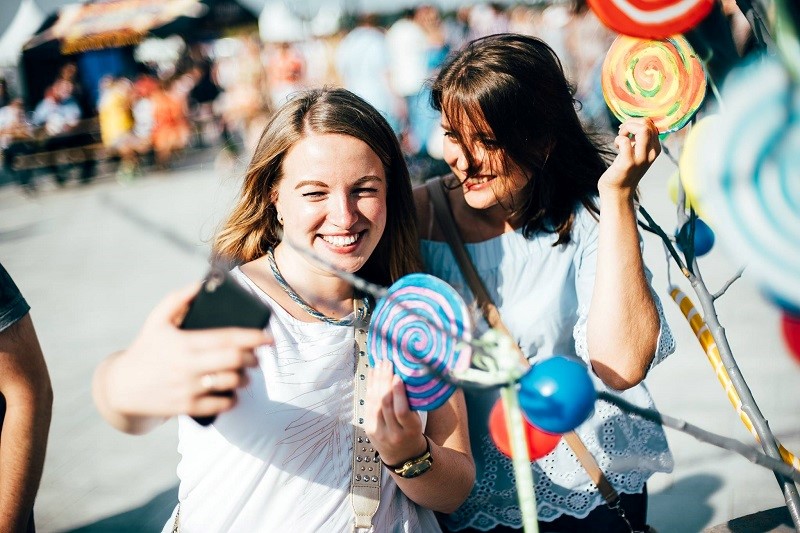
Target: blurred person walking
363	63
587	42
59	116
15	139
115	115
416	44
407	44
285	71
171	127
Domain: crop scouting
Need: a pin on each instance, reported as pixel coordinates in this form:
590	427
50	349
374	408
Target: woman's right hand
168	371
638	145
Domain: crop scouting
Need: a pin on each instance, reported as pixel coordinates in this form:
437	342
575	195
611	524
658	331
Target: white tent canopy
27	20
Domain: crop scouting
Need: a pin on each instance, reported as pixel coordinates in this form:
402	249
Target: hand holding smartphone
222	303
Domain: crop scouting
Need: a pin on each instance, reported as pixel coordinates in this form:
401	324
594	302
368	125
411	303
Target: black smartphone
223	303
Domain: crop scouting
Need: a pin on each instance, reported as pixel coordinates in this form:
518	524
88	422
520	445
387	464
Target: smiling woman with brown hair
302	442
551	229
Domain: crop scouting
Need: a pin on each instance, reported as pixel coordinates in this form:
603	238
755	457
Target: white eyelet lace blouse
543	294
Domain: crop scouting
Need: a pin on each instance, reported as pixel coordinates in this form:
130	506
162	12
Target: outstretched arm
164	372
25	385
623	324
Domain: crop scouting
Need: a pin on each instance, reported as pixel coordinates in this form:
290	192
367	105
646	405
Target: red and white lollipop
651	19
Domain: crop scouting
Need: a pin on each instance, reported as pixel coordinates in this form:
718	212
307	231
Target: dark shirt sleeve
12	304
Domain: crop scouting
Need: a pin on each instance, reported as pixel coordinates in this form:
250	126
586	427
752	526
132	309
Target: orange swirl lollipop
662	80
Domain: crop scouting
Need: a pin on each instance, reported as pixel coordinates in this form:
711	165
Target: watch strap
424	455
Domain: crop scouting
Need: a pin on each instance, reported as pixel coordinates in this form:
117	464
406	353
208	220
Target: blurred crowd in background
188	96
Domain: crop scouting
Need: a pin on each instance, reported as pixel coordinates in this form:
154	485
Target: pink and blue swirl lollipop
418	326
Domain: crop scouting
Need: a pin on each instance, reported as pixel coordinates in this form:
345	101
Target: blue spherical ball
703	237
557	394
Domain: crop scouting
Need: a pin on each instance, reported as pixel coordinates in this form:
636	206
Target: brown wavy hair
514	85
253	227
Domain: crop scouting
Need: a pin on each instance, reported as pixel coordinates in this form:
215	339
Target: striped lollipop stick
703	334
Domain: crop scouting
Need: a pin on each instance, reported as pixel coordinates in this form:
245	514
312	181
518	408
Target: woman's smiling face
488	176
332	198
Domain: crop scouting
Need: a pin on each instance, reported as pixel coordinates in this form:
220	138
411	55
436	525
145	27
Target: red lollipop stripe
651	19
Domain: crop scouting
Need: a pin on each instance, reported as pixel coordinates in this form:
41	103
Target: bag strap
444	215
365	480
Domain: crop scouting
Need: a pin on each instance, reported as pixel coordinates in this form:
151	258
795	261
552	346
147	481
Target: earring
280	219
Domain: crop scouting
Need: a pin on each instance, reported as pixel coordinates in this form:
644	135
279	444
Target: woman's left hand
638	147
394	429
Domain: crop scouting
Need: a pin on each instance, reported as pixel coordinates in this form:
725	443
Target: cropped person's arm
623	324
161	374
25	385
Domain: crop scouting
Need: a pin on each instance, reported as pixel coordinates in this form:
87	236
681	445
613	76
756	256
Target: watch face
417	469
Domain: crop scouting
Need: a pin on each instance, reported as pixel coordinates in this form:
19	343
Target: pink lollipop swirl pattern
662	80
418	327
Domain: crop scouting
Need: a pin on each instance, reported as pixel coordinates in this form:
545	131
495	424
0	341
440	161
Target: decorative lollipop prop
703	334
540	443
557	394
417	327
651	19
790	324
699	234
662	80
753	176
691	164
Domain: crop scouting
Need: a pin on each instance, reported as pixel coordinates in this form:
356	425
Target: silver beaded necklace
361	314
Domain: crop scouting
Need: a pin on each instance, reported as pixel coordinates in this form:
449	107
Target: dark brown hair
253	226
514	85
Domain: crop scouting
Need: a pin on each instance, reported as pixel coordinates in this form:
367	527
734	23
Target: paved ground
93	260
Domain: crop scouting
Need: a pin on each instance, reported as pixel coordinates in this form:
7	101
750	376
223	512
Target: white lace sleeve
664	347
666	342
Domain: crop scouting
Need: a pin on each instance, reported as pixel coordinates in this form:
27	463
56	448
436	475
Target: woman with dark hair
295	448
551	229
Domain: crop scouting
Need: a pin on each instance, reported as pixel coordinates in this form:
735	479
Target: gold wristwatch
416	466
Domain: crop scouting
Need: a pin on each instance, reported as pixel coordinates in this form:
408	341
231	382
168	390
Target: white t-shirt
281	459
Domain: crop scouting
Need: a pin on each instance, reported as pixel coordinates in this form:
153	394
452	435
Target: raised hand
168	371
638	147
